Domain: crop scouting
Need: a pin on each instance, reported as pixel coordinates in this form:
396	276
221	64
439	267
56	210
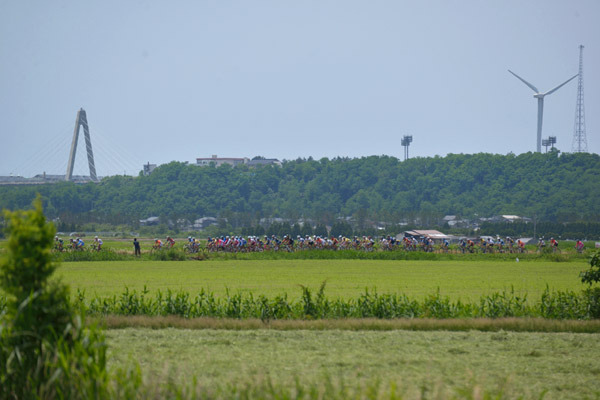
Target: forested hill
554	187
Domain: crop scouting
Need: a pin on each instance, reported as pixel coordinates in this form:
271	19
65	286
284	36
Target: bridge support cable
45	153
117	156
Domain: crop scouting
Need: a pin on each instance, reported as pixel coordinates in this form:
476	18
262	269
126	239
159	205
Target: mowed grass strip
344	278
354	324
561	365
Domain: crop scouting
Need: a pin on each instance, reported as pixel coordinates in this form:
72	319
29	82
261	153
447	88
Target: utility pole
579	139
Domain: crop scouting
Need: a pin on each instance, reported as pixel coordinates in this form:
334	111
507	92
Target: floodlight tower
406	141
546	143
540	97
579	139
551	141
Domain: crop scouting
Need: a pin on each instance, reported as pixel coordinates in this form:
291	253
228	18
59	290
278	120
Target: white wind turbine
540	97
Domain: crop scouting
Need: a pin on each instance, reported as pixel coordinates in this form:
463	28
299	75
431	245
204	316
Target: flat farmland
465	280
421	364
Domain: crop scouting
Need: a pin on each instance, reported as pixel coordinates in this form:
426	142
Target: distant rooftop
217	161
41	179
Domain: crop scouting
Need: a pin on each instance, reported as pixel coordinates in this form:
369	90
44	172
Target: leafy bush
592	275
172	254
89	255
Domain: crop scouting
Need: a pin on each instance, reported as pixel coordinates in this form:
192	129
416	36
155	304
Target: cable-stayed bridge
63	157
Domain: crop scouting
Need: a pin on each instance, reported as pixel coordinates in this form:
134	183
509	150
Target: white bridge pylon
81	120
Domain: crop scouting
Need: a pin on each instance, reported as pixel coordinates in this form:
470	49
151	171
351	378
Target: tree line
553	187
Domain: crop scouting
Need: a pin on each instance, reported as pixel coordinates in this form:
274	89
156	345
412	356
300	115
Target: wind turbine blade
559	86
525	82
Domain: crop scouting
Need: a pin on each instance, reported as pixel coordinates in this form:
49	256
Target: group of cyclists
76	244
287	243
158	244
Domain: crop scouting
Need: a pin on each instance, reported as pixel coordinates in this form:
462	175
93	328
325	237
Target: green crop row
315	305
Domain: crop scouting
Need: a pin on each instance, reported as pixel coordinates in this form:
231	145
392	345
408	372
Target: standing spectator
136	247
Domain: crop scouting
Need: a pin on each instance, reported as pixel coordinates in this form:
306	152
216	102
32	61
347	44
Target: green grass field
444	364
418	364
345	278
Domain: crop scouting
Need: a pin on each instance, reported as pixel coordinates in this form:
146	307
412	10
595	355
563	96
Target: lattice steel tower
579	139
81	120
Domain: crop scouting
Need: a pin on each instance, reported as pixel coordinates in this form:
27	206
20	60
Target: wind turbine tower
579	139
540	96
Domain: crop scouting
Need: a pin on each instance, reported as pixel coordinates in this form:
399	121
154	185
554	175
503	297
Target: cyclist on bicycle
98	243
170	242
58	243
445	245
554	244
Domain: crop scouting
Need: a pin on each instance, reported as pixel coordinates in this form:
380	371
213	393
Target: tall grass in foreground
370	304
325	388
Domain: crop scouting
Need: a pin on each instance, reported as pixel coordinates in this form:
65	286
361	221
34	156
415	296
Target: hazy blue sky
177	80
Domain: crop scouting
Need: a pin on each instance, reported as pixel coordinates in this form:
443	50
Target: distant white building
263	161
511	218
431	234
218	161
233	161
150	221
205	222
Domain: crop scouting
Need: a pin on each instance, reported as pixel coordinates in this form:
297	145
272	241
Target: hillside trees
553	187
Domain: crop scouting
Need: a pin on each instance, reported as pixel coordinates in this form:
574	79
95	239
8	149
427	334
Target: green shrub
45	351
592	302
592	275
90	255
172	254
